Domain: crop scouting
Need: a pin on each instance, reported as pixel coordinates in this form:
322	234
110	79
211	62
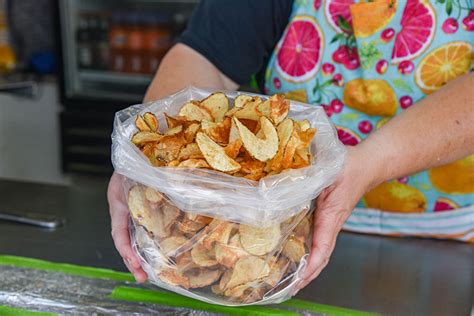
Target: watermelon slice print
300	51
336	10
347	137
418	29
444	204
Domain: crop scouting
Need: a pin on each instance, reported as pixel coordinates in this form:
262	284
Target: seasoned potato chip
188	226
218	231
248	269
193	163
141	138
260	149
199	218
150	219
169	147
277	271
279	108
304	154
173	163
252	166
233	149
217	104
284	131
190	151
184	263
227	255
151	121
202	257
304	227
225	279
259	241
299	162
191	131
294	248
240	100
174	130
172	122
202	277
218	132
171	277
255	176
248	111
153	195
215	154
193	111
304	125
141	124
171	244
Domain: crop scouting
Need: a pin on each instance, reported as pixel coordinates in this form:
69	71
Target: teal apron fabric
365	63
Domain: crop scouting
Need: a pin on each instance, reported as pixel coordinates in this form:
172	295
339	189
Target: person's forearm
435	131
182	66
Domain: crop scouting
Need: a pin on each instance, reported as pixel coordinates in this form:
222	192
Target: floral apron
366	62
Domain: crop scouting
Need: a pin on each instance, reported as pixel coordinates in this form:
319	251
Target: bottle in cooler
118	37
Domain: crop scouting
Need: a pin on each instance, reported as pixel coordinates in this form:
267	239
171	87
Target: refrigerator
109	51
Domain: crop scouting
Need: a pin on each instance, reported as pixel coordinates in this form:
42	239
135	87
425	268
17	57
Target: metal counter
392	276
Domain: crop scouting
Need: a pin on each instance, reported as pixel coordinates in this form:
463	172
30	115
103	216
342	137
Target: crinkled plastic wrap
218	238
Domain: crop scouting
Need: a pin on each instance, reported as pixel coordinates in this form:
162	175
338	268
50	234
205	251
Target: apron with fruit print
366	62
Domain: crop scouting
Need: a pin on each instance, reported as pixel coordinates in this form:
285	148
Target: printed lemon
368	18
372	97
442	65
454	178
395	197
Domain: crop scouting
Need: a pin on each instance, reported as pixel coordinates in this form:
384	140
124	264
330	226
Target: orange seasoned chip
193	111
191	131
217	104
219	132
141	138
141	124
151	121
169	147
193	163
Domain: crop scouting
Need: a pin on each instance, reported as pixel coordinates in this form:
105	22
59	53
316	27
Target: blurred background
65	68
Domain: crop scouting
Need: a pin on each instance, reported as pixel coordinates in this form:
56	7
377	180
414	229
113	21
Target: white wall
29	137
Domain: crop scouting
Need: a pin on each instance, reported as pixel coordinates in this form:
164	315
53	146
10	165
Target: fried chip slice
193	111
260	149
202	257
188	226
198	218
150	219
172	122
171	277
169	147
141	124
171	244
218	132
259	241
190	151
277	271
248	111
227	255
151	121
303	229
248	269
215	155
241	99
299	162
284	131
279	108
217	104
225	279
252	166
202	277
217	231
294	248
153	196
304	125
173	163
255	176
233	149
193	163
184	263
141	138
191	131
174	130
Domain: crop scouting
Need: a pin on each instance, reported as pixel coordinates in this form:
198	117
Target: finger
139	274
324	240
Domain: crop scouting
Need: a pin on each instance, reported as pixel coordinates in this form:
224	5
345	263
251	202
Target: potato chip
170	213
217	104
284	131
202	256
151	121
172	122
279	108
304	154
294	248
303	228
277	271
150	219
238	290
173	163
171	277
215	154
193	111
233	149
169	147
141	124
252	166
190	151
153	196
174	130
218	231
240	100
193	163
305	137
202	277
304	125
198	218
260	149
218	132
228	254
188	226
248	269
299	162
248	111
171	244
184	263
141	138
259	241
191	131
255	176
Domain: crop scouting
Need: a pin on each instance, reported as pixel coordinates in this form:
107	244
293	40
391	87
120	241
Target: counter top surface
394	276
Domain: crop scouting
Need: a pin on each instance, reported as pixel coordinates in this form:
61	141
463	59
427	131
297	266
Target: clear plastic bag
194	226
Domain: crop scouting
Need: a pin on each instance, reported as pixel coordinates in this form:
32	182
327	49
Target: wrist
367	157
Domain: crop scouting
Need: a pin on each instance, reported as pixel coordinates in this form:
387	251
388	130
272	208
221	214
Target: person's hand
333	207
119	215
